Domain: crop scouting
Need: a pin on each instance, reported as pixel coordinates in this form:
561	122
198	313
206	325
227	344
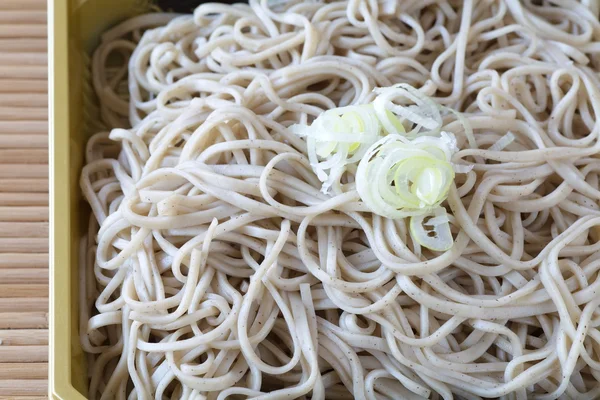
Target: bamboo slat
23	199
23	30
24	275
25	397
24	337
12	354
23	141
24	185
22	85
23	245
16	16
23	113
21	370
23	387
21	45
22	5
23	58
24	304
23	170
23	156
23	290
27	71
17	260
24	320
24	214
24	229
23	99
37	127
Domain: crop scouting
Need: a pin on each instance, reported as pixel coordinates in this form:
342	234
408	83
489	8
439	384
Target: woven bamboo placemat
23	200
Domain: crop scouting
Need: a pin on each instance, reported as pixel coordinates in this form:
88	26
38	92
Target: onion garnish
424	114
502	142
399	178
433	233
400	174
462	168
338	137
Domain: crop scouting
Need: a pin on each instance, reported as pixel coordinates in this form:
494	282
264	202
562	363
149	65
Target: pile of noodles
214	267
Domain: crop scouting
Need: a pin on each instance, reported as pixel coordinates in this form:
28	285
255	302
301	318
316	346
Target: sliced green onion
338	137
466	126
398	177
434	233
462	168
423	113
402	174
392	120
503	142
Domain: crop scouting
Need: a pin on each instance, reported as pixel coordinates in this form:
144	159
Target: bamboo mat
23	200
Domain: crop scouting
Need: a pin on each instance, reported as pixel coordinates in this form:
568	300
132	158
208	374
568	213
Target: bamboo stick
24	214
22	85
23	387
25	397
36	127
26	304
23	5
23	354
23	113
20	16
23	170
17	260
23	199
23	99
24	337
20	45
23	156
24	185
24	245
16	291
24	320
28	141
23	58
24	229
23	30
28	72
25	275
28	370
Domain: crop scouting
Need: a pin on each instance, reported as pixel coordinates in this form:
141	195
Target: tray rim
59	362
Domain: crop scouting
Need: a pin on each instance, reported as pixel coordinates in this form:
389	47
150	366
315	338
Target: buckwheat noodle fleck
215	268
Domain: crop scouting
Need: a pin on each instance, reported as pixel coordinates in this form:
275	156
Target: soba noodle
214	267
